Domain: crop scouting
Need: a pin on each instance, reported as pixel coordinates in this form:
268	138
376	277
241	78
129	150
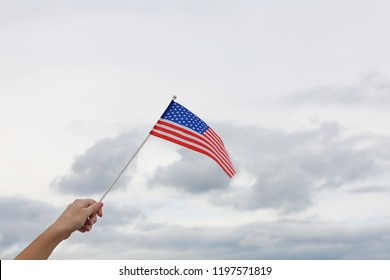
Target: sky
298	90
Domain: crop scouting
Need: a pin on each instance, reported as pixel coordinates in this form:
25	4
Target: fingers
85	211
87	226
95	208
100	212
92	219
82	229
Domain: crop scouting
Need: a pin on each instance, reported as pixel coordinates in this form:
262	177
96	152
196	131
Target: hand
79	215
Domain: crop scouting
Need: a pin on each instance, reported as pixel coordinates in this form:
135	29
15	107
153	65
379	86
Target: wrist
57	233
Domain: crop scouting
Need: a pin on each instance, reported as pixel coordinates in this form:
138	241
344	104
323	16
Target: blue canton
180	115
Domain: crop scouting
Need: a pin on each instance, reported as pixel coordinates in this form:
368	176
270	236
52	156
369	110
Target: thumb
93	208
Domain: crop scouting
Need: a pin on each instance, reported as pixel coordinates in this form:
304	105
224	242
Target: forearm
79	215
43	245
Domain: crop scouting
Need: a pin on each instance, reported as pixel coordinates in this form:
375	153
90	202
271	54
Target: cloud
21	221
193	173
94	171
117	216
24	219
291	167
371	189
126	233
286	169
283	239
372	91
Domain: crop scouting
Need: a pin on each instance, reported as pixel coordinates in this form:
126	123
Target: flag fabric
181	126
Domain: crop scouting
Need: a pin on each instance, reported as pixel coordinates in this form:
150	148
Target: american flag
181	126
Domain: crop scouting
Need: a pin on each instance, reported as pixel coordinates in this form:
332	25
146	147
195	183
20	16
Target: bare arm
80	215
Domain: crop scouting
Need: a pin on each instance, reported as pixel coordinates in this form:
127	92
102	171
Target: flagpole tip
174	97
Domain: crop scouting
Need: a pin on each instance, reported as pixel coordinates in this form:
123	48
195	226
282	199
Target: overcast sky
298	90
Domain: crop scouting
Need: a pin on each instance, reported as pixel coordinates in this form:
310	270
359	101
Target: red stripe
213	140
212	132
155	133
210	152
218	151
178	127
221	150
216	136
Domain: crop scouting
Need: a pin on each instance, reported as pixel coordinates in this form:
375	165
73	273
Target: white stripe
210	132
221	149
216	136
210	150
220	140
220	155
193	145
212	138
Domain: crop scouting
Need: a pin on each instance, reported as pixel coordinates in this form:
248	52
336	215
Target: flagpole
123	170
128	163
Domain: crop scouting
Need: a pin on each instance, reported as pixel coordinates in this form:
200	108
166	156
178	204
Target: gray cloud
94	171
193	173
125	233
371	189
291	167
21	221
372	91
288	167
115	216
24	219
284	239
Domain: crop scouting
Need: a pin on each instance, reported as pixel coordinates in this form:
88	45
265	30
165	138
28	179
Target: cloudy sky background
298	90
